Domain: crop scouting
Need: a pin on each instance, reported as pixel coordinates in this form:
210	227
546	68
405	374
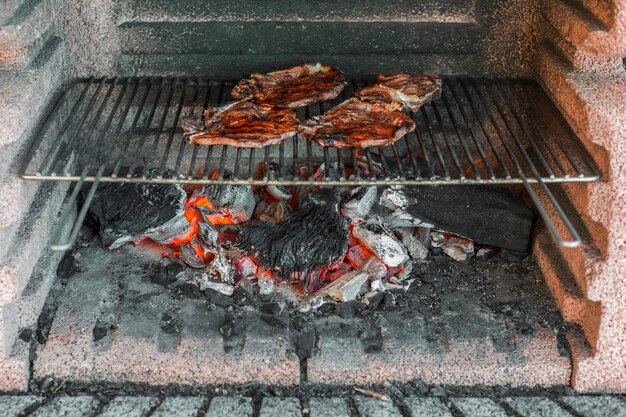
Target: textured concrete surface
86	406
13	406
328	407
230	406
78	406
129	407
596	406
179	406
477	407
294	11
287	407
422	407
194	353
369	407
535	406
597	28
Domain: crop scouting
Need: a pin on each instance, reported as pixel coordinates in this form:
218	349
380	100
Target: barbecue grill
94	94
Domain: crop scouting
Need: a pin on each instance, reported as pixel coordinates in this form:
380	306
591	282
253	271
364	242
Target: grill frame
531	146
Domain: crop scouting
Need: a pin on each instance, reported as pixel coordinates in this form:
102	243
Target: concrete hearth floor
486	322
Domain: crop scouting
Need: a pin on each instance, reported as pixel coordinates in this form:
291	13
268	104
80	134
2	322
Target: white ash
437	239
360	203
349	286
246	267
394	199
414	246
165	234
266	284
220	287
377	285
486	252
222	268
459	249
381	242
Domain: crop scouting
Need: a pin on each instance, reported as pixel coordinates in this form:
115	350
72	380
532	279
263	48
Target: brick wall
580	64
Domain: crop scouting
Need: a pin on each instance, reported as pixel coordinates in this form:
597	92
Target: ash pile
310	244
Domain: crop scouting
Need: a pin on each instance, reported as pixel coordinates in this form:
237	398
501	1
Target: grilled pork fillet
356	123
411	90
243	124
293	87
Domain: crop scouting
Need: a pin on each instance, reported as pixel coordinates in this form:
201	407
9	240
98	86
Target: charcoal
126	212
311	239
233	201
348	309
486	252
379	241
349	286
484	214
190	257
361	201
413	244
513	255
222	268
166	275
266	284
459	249
207	234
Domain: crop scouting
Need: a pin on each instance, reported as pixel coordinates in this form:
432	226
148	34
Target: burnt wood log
311	239
487	215
126	212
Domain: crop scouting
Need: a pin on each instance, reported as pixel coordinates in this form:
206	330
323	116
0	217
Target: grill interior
478	132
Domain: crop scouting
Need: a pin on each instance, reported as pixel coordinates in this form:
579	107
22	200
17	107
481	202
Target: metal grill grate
478	132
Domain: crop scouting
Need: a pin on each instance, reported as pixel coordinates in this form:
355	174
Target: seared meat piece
411	90
244	124
356	123
293	87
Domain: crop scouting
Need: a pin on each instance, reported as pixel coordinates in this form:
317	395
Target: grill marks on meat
294	87
356	123
242	124
411	90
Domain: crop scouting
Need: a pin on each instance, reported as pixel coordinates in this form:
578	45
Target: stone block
370	407
596	406
478	407
536	406
179	406
423	407
128	407
285	407
13	406
328	407
78	406
230	406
